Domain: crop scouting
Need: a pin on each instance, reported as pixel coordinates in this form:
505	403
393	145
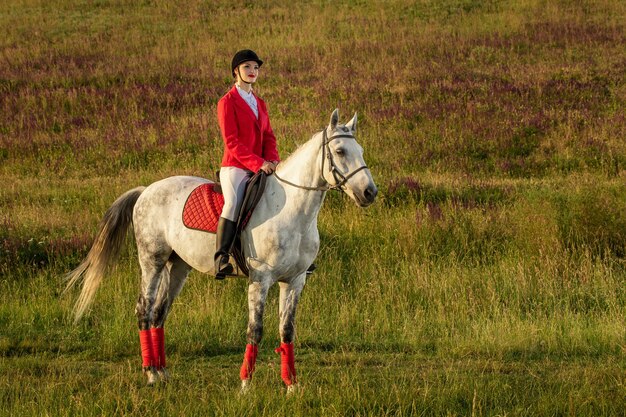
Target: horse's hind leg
152	273
257	294
172	281
289	296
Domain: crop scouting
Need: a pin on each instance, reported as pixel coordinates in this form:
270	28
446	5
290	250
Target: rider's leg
233	181
226	230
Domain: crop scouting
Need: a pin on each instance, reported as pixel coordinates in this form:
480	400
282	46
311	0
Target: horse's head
343	164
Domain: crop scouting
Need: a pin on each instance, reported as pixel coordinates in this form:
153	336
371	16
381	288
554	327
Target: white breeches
233	182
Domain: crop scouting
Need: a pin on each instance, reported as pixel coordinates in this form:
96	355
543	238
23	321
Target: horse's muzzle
368	196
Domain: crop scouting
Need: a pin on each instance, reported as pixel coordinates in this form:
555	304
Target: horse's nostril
370	193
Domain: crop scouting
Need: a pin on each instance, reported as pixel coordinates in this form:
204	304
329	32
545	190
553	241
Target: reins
327	154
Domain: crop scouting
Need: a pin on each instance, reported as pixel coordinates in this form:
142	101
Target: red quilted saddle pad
203	209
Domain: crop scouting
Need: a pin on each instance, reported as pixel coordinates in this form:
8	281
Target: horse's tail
105	249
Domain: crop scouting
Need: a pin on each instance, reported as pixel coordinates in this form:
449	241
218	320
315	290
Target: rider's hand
268	167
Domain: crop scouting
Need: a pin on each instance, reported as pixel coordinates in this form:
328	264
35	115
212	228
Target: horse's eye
340	152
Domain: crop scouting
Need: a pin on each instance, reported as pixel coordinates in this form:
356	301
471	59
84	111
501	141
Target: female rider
249	146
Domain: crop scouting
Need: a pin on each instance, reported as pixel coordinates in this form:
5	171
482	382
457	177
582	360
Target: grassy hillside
488	279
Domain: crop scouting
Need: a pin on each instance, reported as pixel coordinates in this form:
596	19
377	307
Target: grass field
488	279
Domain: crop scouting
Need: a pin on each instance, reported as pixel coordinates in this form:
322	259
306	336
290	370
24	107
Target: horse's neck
303	167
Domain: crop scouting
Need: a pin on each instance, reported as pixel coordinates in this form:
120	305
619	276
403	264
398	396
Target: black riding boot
224	239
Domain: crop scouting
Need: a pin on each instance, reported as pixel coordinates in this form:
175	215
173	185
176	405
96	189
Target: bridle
340	178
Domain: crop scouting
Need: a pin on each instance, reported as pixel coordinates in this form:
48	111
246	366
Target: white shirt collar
250	99
243	92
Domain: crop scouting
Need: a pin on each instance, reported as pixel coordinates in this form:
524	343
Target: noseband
340	178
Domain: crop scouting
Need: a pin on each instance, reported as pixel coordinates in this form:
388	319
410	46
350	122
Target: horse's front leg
257	294
289	296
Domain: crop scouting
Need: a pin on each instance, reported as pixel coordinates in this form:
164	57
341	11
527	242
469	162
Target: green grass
488	279
337	384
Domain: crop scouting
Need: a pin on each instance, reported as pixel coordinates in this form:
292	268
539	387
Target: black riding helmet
243	56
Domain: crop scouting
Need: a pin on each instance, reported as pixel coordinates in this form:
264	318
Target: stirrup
224	270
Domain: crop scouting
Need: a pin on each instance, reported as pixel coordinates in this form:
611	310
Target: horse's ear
334	119
352	123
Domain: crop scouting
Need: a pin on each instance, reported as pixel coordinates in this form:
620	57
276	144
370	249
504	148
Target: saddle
204	205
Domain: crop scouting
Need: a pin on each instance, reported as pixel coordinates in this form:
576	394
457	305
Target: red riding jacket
248	141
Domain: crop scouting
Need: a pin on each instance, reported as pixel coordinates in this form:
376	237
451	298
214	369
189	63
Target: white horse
280	242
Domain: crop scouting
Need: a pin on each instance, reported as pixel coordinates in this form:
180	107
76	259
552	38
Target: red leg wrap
287	363
146	348
158	346
249	360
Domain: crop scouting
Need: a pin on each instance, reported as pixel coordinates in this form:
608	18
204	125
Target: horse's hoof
246	386
152	375
164	376
152	378
293	389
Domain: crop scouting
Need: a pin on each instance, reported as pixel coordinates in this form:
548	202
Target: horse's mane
299	148
302	145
